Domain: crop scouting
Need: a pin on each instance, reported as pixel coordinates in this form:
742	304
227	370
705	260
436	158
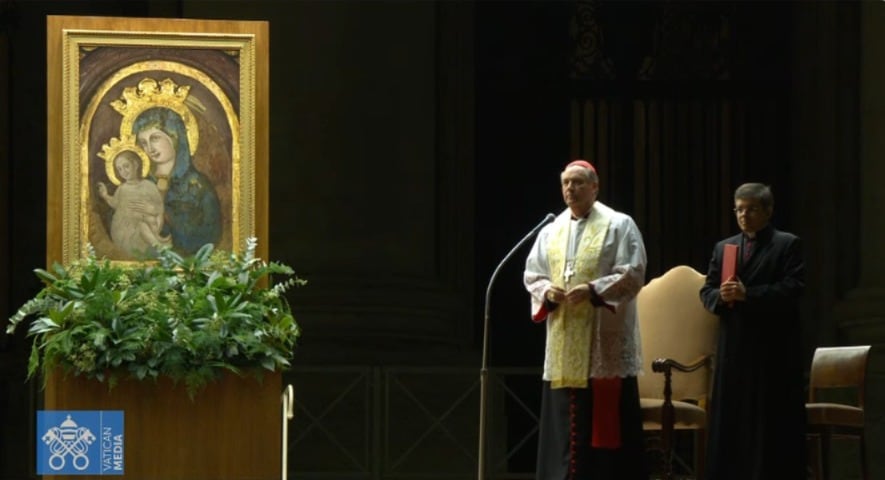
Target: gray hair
757	191
591	175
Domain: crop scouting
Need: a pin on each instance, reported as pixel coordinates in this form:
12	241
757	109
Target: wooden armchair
836	368
678	334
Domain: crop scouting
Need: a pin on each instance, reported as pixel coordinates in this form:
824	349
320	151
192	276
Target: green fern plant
187	318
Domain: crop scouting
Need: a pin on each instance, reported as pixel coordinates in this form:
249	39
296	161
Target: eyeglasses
748	210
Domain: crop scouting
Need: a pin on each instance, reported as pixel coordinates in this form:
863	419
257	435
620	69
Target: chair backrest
674	324
839	367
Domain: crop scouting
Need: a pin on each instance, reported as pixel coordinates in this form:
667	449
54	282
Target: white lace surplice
615	351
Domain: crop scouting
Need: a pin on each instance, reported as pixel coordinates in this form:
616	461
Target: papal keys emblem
68	439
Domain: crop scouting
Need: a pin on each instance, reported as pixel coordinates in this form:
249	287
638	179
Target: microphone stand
484	371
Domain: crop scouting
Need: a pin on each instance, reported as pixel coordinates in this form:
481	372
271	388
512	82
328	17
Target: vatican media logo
80	442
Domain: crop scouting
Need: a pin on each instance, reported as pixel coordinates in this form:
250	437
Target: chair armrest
666	365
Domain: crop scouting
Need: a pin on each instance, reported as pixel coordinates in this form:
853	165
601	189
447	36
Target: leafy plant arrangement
187	318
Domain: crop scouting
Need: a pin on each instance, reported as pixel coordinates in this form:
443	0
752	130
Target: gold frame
210	73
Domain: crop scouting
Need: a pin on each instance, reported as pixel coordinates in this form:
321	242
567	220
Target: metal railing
399	422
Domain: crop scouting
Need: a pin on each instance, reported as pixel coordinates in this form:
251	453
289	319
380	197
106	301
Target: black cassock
757	429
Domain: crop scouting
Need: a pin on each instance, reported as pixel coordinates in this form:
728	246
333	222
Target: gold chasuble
571	326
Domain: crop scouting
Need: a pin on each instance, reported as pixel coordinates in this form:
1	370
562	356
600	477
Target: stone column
860	316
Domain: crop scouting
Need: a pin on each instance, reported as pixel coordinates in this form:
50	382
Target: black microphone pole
484	371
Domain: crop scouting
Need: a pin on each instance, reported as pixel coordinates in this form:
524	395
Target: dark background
413	143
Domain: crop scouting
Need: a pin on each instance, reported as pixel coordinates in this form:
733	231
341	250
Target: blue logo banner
80	442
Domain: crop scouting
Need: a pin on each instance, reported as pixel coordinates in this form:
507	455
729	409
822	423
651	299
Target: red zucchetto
581	163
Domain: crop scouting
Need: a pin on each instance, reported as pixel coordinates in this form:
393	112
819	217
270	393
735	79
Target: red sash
606	412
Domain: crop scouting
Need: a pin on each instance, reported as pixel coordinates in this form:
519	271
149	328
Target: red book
729	262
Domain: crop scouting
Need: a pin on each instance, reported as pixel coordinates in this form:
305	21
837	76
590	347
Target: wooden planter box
231	430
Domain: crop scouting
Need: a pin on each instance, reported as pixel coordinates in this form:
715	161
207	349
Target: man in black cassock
757	425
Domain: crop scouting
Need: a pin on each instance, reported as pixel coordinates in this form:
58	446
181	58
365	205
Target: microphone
484	370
